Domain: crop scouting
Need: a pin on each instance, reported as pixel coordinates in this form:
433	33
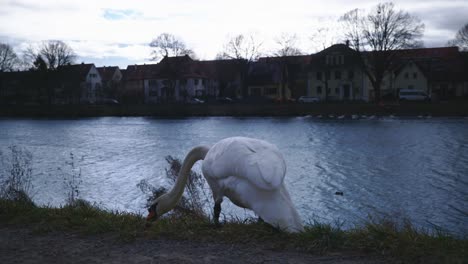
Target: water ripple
414	168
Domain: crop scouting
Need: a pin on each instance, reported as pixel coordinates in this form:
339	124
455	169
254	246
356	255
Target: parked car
110	101
308	99
225	100
103	101
195	101
412	95
256	100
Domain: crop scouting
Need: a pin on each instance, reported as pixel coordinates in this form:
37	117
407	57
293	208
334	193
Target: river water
413	168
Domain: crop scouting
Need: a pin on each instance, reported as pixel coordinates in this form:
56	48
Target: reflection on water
404	168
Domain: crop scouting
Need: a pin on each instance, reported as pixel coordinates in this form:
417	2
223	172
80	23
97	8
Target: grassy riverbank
383	239
456	108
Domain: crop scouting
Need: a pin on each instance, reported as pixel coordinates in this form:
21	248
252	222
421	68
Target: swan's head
158	207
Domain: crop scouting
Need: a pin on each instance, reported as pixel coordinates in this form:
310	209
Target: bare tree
241	47
377	34
56	53
287	45
8	58
245	50
324	37
461	39
166	45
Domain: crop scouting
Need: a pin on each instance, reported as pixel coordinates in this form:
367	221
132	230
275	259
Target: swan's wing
254	160
264	167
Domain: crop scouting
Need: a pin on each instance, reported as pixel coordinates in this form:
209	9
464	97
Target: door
346	92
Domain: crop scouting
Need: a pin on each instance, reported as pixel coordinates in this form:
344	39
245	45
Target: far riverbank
459	108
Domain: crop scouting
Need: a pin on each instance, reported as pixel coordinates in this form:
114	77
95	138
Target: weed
195	198
72	180
16	178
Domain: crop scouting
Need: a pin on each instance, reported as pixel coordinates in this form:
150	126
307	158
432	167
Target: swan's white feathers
257	161
250	172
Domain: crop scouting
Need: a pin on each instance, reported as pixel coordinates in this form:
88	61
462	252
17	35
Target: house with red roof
111	78
78	83
335	74
279	78
178	79
440	72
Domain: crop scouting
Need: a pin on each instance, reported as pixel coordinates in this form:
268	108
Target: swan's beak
151	216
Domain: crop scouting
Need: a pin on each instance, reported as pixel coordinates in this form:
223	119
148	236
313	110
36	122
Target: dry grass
385	239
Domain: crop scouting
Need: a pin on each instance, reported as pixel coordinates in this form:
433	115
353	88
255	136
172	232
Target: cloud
116	14
122	29
445	18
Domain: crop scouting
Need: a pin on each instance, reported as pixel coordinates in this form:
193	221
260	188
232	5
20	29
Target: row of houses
335	73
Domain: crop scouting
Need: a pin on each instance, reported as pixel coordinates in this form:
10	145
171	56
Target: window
152	83
337	90
328	90
92	75
270	91
328	60
153	92
406	75
183	81
196	81
341	59
319	75
255	92
203	81
337	75
334	60
319	89
415	75
350	74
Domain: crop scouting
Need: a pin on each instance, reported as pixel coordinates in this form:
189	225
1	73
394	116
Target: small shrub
195	198
16	179
72	181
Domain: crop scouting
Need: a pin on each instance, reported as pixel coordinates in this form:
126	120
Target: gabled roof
342	48
15	75
75	71
440	52
176	60
437	64
299	59
222	70
351	57
141	72
184	67
107	72
263	73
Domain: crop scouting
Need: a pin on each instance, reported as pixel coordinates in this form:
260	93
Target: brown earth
24	246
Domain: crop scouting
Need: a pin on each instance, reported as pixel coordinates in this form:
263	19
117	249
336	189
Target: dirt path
22	246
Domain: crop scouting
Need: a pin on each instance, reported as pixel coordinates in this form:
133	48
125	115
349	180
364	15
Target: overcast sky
115	32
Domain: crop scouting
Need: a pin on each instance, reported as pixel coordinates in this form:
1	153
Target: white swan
250	172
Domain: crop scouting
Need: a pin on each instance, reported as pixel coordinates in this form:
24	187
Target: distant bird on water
250	172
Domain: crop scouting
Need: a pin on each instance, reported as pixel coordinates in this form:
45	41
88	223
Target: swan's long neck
174	195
